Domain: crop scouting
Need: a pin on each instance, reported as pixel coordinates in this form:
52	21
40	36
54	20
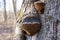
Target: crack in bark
55	29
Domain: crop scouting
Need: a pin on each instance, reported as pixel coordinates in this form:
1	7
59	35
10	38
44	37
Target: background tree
5	15
14	6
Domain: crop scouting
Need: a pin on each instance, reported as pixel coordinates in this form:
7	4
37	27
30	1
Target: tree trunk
50	28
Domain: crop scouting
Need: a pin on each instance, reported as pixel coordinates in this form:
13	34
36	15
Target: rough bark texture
50	30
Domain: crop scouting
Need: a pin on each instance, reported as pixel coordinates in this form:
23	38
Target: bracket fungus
31	26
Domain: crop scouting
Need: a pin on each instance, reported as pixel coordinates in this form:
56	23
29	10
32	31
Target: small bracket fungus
39	6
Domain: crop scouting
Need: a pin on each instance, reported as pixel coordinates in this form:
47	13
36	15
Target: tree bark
50	26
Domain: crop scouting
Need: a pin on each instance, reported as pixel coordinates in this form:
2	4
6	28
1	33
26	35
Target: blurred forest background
8	12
